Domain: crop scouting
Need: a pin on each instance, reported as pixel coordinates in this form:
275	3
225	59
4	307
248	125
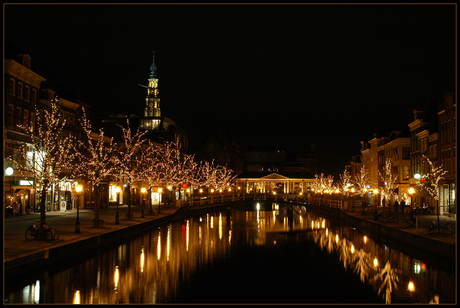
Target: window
20	89
12	86
10	118
27	93
32	121
25	121
405	172
406	153
34	96
17	117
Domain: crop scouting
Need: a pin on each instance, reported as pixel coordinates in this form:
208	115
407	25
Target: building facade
26	100
447	152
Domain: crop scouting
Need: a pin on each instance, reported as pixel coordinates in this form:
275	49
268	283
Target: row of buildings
432	133
26	91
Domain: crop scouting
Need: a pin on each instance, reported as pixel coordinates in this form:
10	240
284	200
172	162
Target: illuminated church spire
152	101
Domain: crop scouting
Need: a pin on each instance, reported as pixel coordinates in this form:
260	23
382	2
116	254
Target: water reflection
157	266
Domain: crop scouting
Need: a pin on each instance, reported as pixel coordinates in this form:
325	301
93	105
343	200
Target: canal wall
72	251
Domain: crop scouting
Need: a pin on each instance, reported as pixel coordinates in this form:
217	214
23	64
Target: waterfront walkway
15	246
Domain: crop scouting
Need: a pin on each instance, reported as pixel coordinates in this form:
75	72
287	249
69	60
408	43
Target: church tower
152	101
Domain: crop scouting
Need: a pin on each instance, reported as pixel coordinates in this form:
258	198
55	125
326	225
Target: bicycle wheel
30	234
54	234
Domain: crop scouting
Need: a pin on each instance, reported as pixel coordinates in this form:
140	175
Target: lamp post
116	215
143	190
78	189
159	195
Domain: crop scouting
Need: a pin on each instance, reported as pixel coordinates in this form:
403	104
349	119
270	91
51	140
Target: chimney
26	60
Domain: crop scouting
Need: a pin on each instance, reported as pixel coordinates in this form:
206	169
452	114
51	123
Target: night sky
270	75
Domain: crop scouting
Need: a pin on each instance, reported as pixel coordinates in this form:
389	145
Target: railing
221	198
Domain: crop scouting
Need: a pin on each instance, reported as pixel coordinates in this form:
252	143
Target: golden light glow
376	262
376	191
160	190
411	286
143	190
118	189
142	260
201	190
365	239
411	190
187	235
79	188
76	298
352	248
159	246
116	277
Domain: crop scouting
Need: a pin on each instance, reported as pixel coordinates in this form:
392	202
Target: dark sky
271	75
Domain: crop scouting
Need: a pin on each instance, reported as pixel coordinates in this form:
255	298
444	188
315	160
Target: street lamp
143	190
118	196
78	189
411	192
159	195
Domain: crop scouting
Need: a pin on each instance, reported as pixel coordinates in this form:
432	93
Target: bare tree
127	160
48	154
93	160
362	181
150	173
389	182
433	178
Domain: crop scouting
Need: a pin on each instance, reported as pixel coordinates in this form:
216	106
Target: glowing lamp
9	171
79	188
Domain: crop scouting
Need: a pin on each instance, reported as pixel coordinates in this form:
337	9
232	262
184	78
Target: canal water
262	253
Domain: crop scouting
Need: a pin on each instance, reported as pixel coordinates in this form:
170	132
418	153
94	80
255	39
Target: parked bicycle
393	218
431	229
409	221
41	231
446	228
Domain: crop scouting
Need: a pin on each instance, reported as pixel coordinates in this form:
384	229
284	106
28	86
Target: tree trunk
129	201
96	206
43	204
150	199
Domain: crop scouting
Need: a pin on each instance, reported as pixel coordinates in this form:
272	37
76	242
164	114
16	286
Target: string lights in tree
48	153
93	160
431	183
345	181
127	160
362	181
323	184
389	181
150	174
